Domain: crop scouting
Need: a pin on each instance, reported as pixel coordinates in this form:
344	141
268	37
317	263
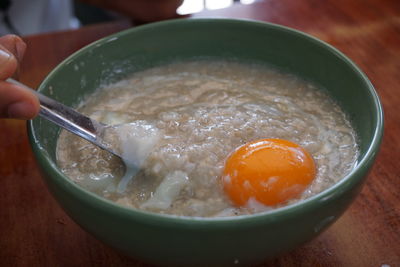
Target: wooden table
34	231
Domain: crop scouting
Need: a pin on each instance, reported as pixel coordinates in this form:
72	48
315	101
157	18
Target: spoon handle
68	118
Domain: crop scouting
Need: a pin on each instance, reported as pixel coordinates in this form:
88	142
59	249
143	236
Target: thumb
17	102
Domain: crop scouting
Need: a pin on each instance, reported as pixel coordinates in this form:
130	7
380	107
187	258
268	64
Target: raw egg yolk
271	171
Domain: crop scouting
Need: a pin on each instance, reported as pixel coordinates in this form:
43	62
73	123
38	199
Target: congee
186	119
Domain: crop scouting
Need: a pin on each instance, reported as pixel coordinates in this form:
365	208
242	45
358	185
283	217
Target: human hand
15	101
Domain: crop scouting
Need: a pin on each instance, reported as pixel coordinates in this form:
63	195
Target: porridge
187	118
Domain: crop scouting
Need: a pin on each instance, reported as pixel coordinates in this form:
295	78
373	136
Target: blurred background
88	14
24	17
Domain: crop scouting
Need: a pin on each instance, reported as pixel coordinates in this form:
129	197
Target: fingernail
4	57
21	110
20	48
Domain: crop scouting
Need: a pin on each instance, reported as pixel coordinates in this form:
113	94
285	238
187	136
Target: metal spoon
132	142
73	121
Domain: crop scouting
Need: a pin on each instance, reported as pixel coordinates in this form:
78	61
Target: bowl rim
339	187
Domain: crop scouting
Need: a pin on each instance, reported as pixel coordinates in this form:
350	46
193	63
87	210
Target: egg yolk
271	171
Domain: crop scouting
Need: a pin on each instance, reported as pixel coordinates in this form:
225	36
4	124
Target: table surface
36	232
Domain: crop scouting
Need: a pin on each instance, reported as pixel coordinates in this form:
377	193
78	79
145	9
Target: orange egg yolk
271	171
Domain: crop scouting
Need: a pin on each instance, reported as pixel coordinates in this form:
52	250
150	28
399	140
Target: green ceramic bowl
171	240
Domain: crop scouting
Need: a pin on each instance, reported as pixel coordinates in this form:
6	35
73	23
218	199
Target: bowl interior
121	54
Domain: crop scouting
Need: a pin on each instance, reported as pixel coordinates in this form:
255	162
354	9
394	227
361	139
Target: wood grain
36	232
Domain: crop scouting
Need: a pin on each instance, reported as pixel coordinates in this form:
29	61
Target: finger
14	44
8	63
17	102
